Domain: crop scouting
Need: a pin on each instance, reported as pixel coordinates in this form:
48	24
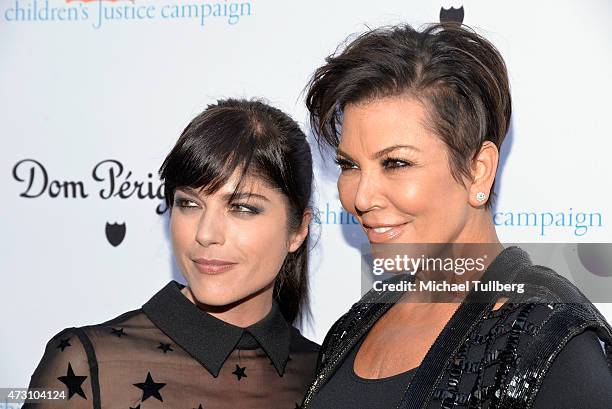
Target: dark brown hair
459	77
256	139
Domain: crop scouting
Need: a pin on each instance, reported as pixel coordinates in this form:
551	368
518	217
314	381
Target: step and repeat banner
95	93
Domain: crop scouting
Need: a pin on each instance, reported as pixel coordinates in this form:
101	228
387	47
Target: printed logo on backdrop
542	222
452	15
103	13
115	233
109	180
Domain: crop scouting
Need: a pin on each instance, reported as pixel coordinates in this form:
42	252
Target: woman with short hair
417	120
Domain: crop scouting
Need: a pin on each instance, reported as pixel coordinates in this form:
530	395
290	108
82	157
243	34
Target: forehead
250	183
376	124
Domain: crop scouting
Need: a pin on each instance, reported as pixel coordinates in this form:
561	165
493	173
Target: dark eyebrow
244	195
385	151
381	152
187	189
228	196
342	153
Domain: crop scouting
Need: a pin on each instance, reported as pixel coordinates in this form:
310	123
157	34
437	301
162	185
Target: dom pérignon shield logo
115	233
451	15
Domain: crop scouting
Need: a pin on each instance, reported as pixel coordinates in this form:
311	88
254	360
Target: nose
368	195
211	228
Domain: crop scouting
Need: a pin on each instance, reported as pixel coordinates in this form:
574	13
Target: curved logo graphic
115	233
452	15
596	258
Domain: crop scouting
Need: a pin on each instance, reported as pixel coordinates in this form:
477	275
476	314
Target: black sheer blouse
171	354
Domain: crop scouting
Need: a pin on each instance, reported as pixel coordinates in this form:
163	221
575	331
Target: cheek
427	191
410	195
179	233
263	246
437	203
347	188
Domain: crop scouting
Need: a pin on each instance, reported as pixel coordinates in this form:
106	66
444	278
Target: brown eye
184	203
345	164
245	208
394	163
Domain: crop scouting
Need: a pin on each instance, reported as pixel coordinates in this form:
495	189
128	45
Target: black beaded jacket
483	358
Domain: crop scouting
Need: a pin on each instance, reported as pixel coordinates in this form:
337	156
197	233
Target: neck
479	229
241	313
481	239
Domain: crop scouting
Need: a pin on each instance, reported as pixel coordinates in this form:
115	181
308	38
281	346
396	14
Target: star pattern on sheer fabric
240	372
73	382
150	388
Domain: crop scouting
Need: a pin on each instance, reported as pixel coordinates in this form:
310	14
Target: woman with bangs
238	186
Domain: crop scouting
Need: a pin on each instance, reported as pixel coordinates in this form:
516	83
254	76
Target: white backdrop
77	91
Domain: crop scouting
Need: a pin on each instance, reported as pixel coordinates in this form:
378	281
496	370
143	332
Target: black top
541	349
347	390
171	354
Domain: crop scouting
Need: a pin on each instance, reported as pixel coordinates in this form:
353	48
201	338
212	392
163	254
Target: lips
380	233
213	266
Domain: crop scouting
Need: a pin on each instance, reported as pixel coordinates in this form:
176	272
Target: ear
297	238
484	168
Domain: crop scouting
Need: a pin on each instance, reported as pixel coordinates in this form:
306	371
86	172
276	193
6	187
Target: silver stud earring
480	196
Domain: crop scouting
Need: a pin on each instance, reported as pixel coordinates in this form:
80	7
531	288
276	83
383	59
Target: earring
480	196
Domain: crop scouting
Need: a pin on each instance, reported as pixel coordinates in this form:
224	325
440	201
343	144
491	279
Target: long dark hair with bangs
254	138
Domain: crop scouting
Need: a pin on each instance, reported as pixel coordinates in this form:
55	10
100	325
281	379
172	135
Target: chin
216	297
217	300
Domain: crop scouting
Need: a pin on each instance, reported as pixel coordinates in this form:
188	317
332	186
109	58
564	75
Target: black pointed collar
210	340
